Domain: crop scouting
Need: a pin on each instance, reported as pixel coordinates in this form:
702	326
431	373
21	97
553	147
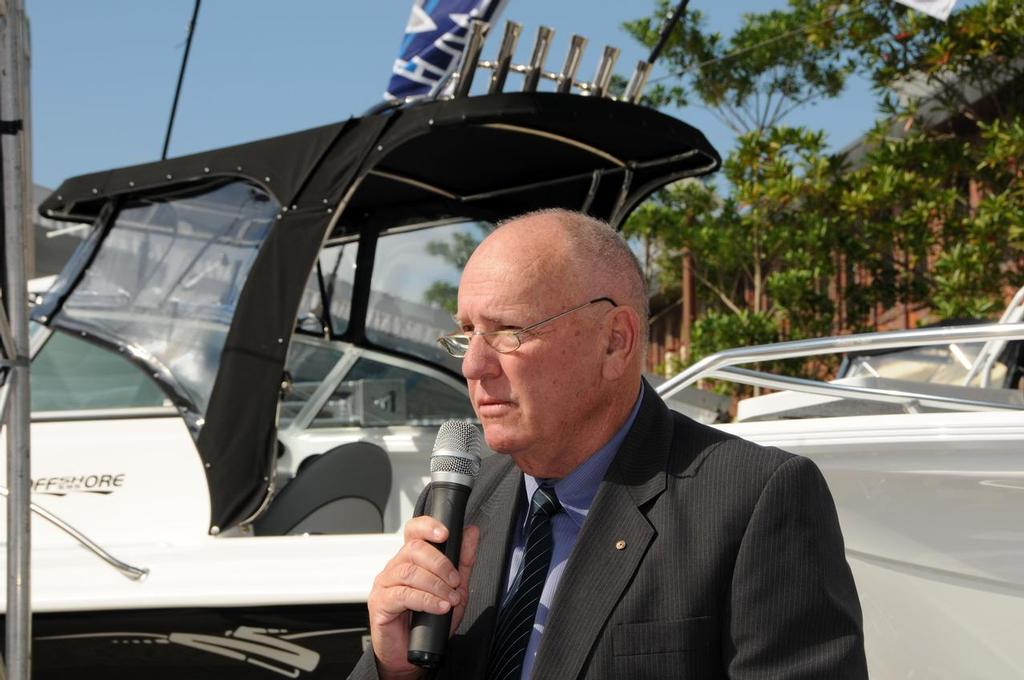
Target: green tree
762	256
941	180
763	251
798	242
754	78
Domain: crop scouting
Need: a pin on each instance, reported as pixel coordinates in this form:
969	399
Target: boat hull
930	507
316	641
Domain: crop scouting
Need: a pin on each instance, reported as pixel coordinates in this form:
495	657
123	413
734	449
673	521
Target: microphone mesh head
457	449
459	465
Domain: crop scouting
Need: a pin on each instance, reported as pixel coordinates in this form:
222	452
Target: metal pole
13	107
470	57
540	53
181	78
637	82
666	30
504	58
635	88
572	62
605	70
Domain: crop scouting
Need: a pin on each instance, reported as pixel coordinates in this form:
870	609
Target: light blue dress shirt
575	492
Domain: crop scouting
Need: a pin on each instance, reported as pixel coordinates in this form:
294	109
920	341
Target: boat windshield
167	277
939	364
329	287
415	287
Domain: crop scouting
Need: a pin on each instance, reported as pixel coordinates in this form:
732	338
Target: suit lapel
610	547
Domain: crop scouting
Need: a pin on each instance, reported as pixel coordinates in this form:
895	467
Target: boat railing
990	352
131	571
722	365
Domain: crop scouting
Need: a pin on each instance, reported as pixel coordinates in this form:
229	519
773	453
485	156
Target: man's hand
419	578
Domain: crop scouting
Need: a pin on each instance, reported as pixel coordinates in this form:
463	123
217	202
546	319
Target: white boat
922	444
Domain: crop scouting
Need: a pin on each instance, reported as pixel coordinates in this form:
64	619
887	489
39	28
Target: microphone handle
428	633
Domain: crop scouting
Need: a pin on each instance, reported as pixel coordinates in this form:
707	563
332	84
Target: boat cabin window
71	374
330	281
375	394
167	278
415	287
308	365
332	384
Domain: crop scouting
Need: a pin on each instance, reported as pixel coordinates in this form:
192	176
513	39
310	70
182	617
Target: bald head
588	255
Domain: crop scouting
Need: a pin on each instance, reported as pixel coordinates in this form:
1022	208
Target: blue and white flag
433	42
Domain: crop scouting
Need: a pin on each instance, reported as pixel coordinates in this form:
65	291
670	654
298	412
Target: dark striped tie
515	620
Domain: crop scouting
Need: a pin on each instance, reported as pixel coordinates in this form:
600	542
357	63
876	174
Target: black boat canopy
502	154
487	157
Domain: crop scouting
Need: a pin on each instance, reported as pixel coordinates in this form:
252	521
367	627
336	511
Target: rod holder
572	63
605	68
470	58
504	58
637	82
540	53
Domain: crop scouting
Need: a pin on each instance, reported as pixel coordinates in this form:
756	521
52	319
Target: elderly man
617	539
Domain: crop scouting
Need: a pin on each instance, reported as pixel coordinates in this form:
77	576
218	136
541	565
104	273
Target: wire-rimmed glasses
504	341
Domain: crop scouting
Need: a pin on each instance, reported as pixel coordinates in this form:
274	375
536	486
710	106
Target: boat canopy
240	279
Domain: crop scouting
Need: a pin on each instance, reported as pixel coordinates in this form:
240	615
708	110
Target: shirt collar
576	490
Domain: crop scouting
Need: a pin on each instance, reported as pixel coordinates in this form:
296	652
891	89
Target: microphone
454	465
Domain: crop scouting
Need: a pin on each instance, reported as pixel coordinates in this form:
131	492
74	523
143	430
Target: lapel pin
620	544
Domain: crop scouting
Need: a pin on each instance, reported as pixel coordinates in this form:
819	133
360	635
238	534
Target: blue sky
104	71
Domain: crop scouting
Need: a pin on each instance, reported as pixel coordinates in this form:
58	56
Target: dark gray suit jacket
733	566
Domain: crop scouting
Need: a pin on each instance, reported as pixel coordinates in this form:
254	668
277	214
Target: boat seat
341	491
